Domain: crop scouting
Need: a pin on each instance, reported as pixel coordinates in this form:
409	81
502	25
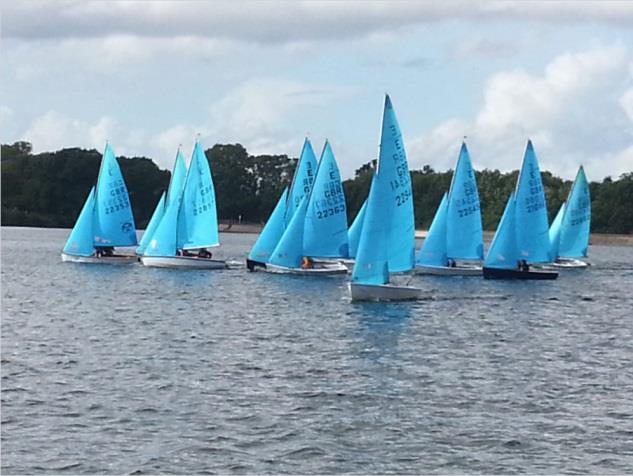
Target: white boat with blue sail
288	203
569	233
522	237
174	192
189	225
317	233
454	245
387	240
105	220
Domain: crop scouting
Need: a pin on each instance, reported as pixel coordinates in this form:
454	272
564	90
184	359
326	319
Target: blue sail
289	250
503	252
393	166
302	180
80	239
353	235
532	227
554	232
433	250
272	232
464	233
152	225
163	240
177	180
113	222
574	236
198	220
325	226
372	258
387	242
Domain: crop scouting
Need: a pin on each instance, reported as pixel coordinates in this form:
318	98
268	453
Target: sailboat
189	225
456	231
522	236
288	202
174	191
269	236
105	220
317	231
387	241
569	233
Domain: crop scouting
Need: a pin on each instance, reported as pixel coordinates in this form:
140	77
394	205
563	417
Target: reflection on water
130	370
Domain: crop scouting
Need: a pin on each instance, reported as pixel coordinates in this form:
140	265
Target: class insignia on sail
522	237
105	221
387	238
454	243
189	224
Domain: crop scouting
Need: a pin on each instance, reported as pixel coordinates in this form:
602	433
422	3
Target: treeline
48	189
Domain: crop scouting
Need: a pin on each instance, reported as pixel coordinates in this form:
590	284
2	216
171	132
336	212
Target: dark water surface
130	370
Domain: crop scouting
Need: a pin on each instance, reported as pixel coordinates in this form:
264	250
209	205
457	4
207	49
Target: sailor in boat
523	265
104	251
204	253
307	263
451	263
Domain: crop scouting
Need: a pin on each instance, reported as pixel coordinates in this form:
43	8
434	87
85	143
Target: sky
150	75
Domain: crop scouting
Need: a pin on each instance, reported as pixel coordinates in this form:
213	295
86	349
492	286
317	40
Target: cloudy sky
149	76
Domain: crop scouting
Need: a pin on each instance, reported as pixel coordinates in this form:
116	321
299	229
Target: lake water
130	370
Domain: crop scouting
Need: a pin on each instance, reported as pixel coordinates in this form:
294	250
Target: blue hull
499	273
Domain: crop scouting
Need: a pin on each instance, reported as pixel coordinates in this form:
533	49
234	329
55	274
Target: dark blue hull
498	273
252	264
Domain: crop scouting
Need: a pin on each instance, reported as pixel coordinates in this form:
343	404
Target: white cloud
575	112
281	21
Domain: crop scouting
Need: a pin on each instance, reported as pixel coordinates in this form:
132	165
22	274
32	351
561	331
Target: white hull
182	262
320	269
383	292
569	263
459	270
116	259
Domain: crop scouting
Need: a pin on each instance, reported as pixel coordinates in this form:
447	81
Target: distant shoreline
602	239
595	238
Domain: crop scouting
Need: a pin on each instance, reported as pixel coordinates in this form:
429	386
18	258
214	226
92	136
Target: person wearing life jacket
307	263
